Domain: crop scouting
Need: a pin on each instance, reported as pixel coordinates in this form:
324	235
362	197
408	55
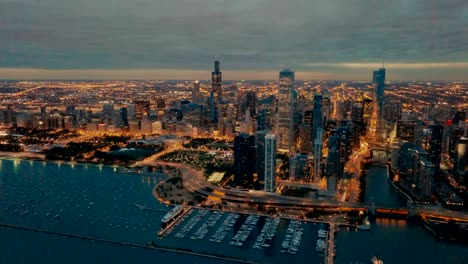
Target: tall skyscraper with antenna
216	92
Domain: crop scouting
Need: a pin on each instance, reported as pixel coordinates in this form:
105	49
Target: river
392	240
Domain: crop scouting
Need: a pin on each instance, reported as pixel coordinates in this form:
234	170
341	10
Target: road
194	181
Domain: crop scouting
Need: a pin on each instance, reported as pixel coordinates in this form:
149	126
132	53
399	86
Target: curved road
194	181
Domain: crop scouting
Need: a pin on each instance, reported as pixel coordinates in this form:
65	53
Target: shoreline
11	156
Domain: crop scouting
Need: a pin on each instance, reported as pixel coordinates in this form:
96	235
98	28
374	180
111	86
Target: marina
293	237
204	229
191	224
223	230
321	244
245	231
267	234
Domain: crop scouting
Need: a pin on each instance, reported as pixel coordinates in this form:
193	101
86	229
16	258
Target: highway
194	181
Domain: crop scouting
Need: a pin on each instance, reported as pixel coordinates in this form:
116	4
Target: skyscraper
270	162
260	153
425	178
123	117
285	111
318	145
378	80
244	159
107	110
141	107
317	120
251	103
263	120
333	160
461	155
435	144
298	169
216	92
196	93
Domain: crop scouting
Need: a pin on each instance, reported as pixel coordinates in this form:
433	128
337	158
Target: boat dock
246	229
330	250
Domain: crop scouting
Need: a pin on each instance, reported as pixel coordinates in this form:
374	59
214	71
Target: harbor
101	204
272	237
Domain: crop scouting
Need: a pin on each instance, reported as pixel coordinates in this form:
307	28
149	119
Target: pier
330	250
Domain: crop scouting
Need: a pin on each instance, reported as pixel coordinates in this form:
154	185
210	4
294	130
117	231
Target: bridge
379	155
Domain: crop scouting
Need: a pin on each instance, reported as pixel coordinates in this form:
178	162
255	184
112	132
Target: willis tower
216	92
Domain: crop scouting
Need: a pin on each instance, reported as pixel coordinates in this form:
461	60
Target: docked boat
375	260
169	217
320	245
322	233
365	225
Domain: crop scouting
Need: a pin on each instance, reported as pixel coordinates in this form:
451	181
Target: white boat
322	233
375	260
365	225
176	211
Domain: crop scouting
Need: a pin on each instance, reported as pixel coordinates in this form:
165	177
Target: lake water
99	202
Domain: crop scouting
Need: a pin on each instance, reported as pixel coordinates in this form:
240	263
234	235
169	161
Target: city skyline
329	182
253	39
221	131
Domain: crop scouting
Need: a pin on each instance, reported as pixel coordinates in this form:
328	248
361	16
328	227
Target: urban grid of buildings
282	132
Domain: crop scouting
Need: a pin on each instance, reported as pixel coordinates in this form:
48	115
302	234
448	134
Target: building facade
270	162
285	111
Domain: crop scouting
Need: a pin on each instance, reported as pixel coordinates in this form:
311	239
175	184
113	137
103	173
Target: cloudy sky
253	39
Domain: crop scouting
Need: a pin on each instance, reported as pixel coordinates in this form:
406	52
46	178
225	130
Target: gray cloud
244	34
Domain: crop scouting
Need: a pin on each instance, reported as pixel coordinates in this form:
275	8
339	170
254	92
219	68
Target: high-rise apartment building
260	153
436	133
333	163
270	162
317	120
244	159
318	146
425	178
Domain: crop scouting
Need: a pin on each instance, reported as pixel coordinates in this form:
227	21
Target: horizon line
333	71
